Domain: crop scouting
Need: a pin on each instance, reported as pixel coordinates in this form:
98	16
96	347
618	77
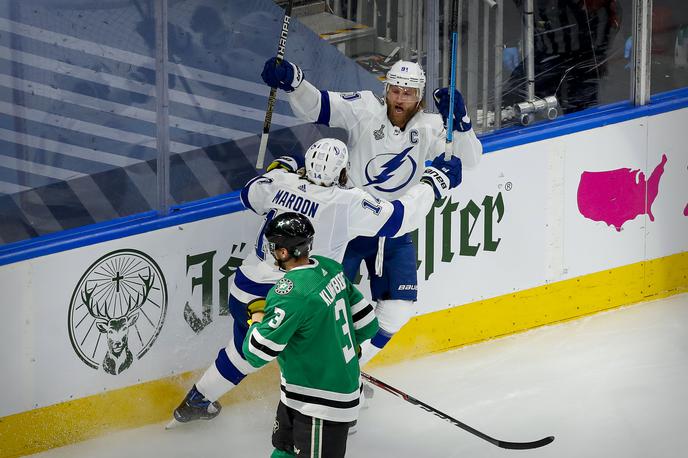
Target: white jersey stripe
319	411
358	306
344	397
236	359
267	342
364	321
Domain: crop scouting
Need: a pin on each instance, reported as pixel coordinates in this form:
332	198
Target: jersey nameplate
296	203
335	286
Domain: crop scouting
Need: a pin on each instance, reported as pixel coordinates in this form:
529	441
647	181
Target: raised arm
466	145
372	216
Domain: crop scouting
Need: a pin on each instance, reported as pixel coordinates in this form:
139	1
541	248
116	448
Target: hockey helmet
325	160
292	231
406	74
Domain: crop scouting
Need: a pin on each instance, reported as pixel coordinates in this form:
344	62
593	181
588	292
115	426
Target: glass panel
580	55
669	45
218	100
78	137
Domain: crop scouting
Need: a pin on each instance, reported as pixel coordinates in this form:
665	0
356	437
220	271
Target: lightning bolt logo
388	170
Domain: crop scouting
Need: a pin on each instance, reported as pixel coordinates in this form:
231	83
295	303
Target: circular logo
283	286
117	310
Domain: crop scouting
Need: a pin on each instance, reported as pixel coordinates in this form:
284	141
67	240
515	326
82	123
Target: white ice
611	385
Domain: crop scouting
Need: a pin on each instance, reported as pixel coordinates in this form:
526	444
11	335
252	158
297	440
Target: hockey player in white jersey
389	140
338	214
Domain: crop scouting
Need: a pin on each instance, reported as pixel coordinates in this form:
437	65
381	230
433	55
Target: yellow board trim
530	308
152	402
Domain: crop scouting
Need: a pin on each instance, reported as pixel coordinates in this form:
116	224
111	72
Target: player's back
321	355
328	209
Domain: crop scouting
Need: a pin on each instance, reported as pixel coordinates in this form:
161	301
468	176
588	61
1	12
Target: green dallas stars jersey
314	321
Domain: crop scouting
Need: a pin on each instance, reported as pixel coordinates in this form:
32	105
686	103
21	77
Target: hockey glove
257	306
443	175
462	122
288	163
285	76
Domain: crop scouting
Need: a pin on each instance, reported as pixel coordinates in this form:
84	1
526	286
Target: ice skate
194	407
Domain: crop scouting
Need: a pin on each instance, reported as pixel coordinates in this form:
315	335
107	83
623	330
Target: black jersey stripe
264	348
361	313
318	400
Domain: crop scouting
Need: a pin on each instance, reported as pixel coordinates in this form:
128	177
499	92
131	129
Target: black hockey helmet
292	231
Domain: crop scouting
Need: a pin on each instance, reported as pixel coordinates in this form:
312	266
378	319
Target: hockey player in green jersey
313	323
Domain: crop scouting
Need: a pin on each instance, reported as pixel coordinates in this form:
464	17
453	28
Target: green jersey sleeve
362	314
266	340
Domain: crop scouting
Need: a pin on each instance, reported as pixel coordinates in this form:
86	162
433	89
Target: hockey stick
281	48
449	144
454	421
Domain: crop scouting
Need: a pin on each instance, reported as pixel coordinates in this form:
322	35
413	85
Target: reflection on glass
580	49
669	45
78	125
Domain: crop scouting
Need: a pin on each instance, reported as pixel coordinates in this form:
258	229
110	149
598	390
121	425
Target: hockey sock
372	347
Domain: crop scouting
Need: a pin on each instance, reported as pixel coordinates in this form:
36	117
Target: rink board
510	251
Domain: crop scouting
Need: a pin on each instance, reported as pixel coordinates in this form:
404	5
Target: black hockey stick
281	48
454	421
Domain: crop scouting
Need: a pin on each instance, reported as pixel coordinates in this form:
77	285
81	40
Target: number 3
348	349
277	320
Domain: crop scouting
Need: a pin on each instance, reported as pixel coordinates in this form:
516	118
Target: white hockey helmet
406	74
325	160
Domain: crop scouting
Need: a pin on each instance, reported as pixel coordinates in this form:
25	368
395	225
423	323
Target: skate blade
173	424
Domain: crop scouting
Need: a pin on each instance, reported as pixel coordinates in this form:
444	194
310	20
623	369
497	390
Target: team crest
379	134
390	172
284	286
121	295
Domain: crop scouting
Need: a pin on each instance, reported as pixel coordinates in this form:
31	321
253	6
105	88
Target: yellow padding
527	309
152	402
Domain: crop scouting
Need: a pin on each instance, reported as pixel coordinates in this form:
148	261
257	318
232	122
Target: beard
399	115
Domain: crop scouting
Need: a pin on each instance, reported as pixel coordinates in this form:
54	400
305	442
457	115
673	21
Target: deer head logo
122	296
116	327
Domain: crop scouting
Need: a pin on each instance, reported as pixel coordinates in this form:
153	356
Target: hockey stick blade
173	424
499	443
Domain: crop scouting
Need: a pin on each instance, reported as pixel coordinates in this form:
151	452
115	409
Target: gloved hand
462	122
285	76
255	307
288	163
443	175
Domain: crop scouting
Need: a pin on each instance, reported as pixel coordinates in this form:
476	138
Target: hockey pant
395	291
296	434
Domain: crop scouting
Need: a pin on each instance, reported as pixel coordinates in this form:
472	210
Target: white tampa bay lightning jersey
384	160
338	214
